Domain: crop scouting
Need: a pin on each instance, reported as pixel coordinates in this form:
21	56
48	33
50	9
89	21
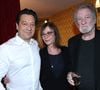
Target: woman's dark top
54	69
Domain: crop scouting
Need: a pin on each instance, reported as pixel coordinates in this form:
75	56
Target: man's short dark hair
28	12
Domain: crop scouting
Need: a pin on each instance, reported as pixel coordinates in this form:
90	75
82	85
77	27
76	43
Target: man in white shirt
19	56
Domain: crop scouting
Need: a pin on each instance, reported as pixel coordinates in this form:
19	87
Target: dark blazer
47	78
74	44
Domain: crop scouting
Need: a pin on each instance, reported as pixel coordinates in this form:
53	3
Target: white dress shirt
20	61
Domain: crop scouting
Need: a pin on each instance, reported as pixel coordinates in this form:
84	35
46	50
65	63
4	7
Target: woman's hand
6	80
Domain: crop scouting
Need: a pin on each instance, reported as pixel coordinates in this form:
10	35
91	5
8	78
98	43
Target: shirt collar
21	41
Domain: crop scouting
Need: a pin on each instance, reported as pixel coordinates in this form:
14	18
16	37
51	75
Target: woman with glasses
54	59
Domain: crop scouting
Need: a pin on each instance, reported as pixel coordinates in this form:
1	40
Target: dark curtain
8	11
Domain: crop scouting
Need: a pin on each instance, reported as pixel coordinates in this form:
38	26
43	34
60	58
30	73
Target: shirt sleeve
4	64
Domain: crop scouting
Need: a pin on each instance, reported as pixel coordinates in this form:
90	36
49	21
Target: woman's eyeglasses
48	33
